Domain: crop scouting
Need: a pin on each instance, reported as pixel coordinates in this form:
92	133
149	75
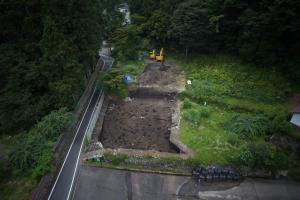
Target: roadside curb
138	170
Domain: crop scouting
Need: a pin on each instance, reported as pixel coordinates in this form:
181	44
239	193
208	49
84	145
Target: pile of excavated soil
158	74
142	123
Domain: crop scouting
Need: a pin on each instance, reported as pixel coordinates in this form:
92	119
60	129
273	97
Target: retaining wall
65	139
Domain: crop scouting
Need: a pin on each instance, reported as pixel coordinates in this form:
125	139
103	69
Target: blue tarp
127	79
296	119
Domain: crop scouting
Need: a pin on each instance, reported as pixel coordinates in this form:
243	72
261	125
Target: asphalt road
106	184
62	188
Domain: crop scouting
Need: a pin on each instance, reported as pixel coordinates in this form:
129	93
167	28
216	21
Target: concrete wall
64	141
95	116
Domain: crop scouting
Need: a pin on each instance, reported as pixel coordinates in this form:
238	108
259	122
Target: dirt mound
158	74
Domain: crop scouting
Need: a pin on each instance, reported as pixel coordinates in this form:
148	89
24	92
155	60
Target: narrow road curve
63	185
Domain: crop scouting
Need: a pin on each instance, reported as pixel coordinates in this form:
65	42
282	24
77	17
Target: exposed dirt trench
143	121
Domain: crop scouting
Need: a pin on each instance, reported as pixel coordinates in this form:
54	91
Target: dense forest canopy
48	51
263	32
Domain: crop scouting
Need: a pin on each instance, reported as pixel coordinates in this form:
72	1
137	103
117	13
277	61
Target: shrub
280	123
187	103
43	165
262	156
117	159
112	82
3	169
26	153
194	115
38	143
204	111
279	161
248	126
233	139
52	125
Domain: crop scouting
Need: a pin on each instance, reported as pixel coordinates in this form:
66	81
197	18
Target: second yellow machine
158	57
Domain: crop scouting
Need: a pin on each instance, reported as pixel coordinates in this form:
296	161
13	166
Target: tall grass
225	77
245	103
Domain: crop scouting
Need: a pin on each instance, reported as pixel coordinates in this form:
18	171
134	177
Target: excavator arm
152	54
160	57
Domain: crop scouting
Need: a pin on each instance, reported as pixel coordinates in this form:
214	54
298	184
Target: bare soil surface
159	74
143	121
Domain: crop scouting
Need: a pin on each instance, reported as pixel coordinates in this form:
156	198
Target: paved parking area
257	189
95	183
106	184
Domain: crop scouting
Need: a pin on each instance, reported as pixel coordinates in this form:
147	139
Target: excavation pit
142	122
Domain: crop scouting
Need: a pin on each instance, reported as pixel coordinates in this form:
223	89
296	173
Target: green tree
157	28
191	26
48	51
112	82
127	42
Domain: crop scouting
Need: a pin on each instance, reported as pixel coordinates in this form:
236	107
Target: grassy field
208	140
231	109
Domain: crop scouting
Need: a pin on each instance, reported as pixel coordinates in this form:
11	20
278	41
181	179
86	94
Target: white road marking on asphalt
179	188
71	144
76	183
82	144
214	195
100	94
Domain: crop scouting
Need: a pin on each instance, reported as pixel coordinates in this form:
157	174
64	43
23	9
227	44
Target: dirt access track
143	121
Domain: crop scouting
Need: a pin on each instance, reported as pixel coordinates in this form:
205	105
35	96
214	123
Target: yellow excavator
152	54
158	57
